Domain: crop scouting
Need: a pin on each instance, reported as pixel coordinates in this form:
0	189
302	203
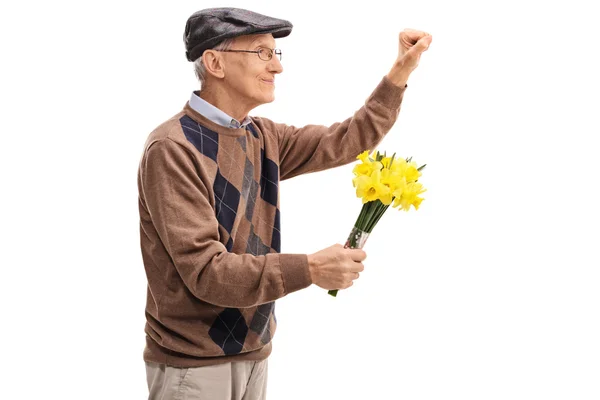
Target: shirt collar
217	116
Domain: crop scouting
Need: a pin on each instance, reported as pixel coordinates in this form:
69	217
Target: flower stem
370	215
378	216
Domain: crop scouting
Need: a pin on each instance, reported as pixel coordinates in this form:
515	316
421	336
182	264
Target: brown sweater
210	225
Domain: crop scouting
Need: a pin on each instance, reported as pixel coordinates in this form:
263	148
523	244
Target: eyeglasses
264	53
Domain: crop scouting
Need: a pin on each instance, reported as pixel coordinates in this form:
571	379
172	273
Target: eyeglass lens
266	54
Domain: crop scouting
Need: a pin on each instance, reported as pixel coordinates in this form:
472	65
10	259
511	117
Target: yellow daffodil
399	166
412	173
366	168
370	188
407	169
386	161
399	188
391	179
364	156
409	196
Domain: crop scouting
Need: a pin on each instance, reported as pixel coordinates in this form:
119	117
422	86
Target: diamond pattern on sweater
203	139
256	246
229	331
269	179
227	199
276	237
248	178
242	142
260	321
252	130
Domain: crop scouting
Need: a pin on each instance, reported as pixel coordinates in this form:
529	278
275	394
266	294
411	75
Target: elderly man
208	185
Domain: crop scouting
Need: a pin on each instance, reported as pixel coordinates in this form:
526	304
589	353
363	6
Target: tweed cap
207	28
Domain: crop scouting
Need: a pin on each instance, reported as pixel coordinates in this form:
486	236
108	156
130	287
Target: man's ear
213	64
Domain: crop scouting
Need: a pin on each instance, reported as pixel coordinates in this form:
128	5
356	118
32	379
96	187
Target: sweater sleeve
179	206
317	147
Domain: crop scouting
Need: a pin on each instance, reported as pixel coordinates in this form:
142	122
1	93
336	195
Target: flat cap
206	28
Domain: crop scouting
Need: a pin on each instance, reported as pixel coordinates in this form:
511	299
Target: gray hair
199	66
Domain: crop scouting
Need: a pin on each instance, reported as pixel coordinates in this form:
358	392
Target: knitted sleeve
179	205
317	147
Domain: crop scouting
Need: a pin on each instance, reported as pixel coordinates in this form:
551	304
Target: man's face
249	77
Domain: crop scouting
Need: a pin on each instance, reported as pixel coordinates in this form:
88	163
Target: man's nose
275	65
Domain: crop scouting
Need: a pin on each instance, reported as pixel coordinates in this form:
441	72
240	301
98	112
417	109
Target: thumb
419	47
414	53
423	43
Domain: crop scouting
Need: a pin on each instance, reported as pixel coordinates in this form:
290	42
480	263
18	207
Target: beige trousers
245	380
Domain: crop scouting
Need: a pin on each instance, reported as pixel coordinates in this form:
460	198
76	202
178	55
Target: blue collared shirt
212	113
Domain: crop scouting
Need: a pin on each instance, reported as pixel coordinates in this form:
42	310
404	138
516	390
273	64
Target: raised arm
317	147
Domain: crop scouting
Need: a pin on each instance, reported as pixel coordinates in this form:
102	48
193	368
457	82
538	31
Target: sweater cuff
389	94
295	272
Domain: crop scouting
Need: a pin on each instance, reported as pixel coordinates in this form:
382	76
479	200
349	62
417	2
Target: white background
489	291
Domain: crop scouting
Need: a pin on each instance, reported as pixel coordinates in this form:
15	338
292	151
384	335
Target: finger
417	34
423	43
357	254
357	267
351	276
407	41
420	47
410	37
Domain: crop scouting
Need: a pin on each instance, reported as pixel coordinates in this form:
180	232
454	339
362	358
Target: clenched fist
412	43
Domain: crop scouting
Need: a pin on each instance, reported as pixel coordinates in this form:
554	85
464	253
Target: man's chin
268	99
264	100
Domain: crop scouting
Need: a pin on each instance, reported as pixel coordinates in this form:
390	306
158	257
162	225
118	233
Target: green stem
378	216
370	214
357	223
373	216
361	216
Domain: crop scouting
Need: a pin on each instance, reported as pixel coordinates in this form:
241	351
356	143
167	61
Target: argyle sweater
210	225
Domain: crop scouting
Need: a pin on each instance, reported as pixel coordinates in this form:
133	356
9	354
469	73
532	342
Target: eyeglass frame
277	52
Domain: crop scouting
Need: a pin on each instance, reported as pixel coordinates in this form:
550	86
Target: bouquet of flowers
381	181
